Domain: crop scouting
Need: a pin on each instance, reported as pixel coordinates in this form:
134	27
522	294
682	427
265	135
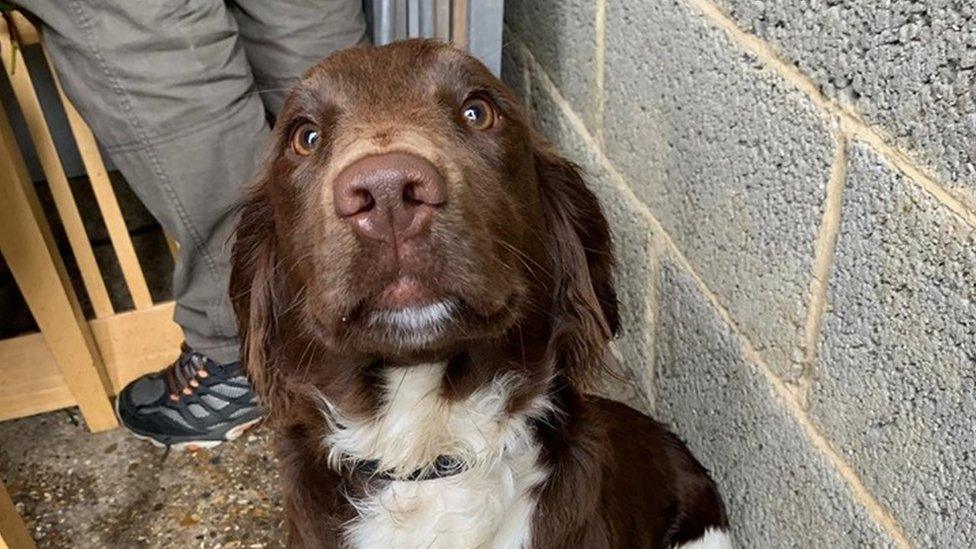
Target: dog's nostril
424	191
351	200
364	201
410	193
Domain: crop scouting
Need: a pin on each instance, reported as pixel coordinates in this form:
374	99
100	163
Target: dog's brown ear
584	300
254	285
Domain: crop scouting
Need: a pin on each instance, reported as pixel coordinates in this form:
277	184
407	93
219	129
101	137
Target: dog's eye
478	113
305	139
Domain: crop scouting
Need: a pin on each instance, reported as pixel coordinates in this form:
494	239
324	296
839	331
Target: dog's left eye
478	113
306	138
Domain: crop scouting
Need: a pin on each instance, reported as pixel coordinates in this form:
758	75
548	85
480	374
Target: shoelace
182	374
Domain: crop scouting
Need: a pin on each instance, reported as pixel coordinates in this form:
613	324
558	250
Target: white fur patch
713	539
415	318
415	326
488	505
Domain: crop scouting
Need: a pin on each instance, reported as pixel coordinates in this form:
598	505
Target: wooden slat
459	23
43	281
33	383
26	96
173	245
118	233
13	531
137	342
26	31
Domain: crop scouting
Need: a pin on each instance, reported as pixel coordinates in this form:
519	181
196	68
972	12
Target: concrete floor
79	490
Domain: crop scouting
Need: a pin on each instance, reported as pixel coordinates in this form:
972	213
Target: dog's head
408	211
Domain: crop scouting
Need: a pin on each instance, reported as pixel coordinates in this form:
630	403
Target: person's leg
284	38
167	89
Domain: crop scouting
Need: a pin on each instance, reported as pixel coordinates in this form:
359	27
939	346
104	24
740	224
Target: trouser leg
167	87
168	91
284	38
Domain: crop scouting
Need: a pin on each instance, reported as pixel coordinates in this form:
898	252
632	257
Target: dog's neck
419	419
488	504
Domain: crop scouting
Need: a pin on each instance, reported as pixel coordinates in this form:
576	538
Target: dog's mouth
406	293
434	322
432	317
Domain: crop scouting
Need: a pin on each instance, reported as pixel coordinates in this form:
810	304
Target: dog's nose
389	196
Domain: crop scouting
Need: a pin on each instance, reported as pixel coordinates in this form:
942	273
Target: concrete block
908	66
779	490
633	237
562	36
731	160
896	384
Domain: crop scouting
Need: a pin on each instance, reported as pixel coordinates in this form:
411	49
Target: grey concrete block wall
789	185
908	66
562	36
731	160
779	491
633	236
895	387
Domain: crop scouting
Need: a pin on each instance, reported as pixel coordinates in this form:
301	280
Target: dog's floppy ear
254	285
581	255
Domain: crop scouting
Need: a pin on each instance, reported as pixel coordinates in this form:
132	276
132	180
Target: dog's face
404	194
408	209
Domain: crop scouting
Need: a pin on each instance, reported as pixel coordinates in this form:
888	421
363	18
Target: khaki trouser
178	93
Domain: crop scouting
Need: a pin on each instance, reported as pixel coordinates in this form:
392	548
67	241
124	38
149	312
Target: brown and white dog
424	289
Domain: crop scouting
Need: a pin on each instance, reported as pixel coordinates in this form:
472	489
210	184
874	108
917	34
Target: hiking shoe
194	403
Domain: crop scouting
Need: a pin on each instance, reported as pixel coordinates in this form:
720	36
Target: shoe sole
233	433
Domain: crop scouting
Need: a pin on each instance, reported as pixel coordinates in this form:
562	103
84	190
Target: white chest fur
488	505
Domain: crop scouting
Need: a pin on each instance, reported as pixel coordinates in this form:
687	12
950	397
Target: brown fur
521	241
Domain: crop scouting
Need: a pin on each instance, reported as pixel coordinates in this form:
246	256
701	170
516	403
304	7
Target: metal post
427	18
413	18
474	25
384	18
485	19
442	18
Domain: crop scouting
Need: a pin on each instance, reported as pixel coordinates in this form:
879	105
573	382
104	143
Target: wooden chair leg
47	154
28	248
13	531
105	197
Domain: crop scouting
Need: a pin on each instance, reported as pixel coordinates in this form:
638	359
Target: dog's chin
414	328
432	329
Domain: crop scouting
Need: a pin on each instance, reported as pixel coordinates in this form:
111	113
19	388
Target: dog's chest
490	504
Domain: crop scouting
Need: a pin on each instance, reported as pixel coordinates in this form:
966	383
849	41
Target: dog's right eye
305	139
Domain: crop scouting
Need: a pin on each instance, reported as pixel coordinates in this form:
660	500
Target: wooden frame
28	248
20	81
73	361
34	383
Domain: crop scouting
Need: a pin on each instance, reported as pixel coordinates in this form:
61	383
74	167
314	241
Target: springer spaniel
424	291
